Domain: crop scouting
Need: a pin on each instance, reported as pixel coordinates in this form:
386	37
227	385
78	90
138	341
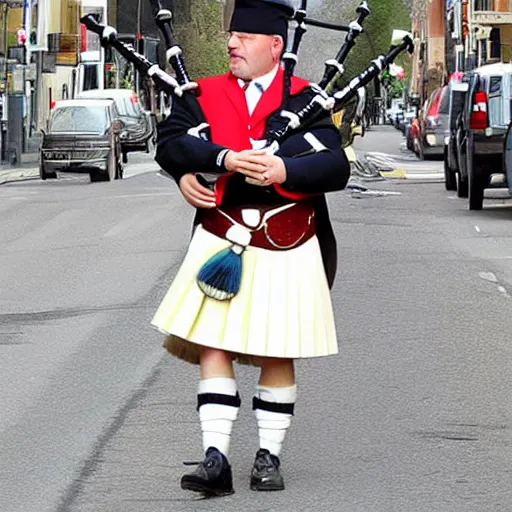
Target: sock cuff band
218	398
262	405
223	385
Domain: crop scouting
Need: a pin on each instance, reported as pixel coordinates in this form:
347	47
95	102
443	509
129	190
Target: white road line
477	229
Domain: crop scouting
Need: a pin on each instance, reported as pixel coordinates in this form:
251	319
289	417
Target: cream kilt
283	308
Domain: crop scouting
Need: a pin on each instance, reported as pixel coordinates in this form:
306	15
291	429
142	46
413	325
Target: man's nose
233	42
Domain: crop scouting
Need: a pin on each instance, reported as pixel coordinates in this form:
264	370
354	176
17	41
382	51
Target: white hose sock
218	403
273	408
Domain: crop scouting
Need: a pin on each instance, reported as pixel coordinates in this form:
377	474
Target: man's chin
239	73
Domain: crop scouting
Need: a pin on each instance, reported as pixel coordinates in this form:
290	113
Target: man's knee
215	363
277	372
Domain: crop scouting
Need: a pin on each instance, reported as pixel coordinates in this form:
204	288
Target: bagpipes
283	123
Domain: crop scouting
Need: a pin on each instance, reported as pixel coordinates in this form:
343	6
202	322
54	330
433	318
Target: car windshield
79	119
125	106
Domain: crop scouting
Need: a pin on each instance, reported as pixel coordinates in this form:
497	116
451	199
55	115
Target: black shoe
212	476
265	475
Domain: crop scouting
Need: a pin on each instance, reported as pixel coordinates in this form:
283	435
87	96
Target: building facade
429	61
457	35
490	24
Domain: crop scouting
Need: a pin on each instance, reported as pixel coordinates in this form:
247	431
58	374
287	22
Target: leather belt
276	228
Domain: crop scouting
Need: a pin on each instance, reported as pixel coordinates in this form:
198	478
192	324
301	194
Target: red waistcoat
223	102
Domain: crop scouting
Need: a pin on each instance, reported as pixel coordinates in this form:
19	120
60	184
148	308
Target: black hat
262	17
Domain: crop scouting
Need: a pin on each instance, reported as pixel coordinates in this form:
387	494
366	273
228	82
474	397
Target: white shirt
256	88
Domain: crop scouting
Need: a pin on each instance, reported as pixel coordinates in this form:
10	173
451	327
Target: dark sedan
82	137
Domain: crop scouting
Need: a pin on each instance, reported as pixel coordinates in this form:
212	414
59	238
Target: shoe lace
267	461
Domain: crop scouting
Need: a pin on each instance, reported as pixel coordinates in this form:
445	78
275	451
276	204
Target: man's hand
195	194
258	167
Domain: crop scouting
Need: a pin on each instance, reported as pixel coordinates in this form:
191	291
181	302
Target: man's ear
278	45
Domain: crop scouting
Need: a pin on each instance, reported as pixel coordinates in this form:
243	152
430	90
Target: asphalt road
412	416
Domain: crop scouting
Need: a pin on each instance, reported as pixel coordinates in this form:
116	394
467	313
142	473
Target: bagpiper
254	286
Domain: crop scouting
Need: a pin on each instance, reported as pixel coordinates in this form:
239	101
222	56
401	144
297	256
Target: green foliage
394	85
386	15
203	40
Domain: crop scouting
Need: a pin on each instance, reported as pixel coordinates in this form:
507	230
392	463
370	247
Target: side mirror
117	125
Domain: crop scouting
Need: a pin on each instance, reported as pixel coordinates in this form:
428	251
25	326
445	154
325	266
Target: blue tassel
219	278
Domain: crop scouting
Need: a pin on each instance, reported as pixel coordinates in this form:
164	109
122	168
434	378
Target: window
483	5
79	120
445	101
495	42
496	105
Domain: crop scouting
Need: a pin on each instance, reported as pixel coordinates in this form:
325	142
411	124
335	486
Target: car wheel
125	157
112	166
462	186
46	175
119	171
42	172
421	153
476	185
450	181
96	176
409	143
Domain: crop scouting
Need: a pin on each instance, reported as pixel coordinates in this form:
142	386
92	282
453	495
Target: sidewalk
28	166
27	169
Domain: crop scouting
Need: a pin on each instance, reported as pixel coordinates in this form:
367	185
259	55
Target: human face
253	55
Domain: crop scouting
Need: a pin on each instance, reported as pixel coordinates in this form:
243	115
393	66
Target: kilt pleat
283	308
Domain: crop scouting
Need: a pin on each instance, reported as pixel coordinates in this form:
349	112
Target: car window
444	102
496	105
79	119
457	106
433	104
128	108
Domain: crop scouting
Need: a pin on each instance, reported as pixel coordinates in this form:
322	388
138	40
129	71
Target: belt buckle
289	246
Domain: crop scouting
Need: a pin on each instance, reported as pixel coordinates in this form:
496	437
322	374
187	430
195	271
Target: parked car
432	126
412	133
140	125
457	94
484	123
82	136
395	111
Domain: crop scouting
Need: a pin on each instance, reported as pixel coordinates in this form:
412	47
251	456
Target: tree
386	15
203	39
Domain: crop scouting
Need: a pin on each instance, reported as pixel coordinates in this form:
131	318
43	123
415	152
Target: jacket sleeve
178	152
324	171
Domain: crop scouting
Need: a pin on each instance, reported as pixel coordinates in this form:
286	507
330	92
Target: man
254	286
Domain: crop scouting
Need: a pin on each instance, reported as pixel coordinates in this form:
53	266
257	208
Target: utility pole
138	45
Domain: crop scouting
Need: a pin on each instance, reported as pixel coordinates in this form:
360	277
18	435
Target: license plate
55	155
72	155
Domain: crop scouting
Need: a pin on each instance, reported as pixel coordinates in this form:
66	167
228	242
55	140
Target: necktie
252	95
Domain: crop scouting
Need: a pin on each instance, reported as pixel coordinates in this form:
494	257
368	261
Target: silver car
433	125
82	136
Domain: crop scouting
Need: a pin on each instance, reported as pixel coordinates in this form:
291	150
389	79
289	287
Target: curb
18	175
